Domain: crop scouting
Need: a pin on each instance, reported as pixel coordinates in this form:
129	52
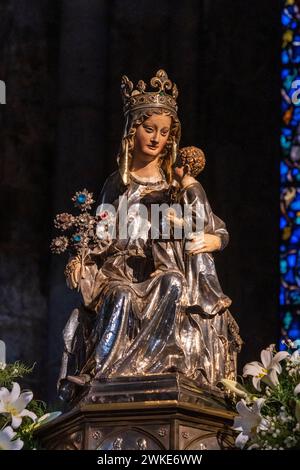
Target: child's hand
173	219
210	243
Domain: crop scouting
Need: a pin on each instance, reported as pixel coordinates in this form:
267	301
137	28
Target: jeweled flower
83	199
77	238
59	244
105	227
104	232
103	215
80	239
13	404
64	221
106	215
85	220
6	440
266	370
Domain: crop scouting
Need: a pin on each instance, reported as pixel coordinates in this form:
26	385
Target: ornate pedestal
149	413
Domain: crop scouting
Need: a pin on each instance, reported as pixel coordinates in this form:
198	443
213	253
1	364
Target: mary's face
152	135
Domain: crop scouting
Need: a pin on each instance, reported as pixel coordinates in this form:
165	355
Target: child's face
178	169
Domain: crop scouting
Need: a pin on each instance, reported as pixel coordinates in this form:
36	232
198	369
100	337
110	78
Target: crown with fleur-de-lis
164	97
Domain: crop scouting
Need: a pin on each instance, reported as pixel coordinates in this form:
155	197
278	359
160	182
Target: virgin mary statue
135	319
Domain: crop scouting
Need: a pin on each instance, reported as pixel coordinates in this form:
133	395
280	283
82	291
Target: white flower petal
295	357
4	393
16	421
16	445
273	378
46	418
6	442
264	424
256	383
252	368
235	387
30	414
242	408
277	367
254	446
2	355
23	400
15	393
2	407
237	424
280	356
258	404
9	432
241	440
297	389
266	358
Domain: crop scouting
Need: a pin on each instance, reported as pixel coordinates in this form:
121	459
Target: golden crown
164	97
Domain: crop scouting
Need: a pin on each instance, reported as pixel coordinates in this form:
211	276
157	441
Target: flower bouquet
269	406
20	414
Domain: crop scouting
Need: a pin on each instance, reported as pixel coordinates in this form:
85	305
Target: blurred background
61	126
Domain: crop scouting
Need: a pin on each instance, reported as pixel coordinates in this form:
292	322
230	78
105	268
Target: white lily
235	387
265	370
6	442
13	404
46	418
248	421
2	355
295	357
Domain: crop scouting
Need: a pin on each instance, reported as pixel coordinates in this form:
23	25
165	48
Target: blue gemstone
77	238
81	198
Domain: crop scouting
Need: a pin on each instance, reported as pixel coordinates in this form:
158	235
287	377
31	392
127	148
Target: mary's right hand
73	272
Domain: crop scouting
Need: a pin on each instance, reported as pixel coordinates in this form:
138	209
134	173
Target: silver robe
132	323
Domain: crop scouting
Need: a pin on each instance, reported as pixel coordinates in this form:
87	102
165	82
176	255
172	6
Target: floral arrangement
20	413
269	406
